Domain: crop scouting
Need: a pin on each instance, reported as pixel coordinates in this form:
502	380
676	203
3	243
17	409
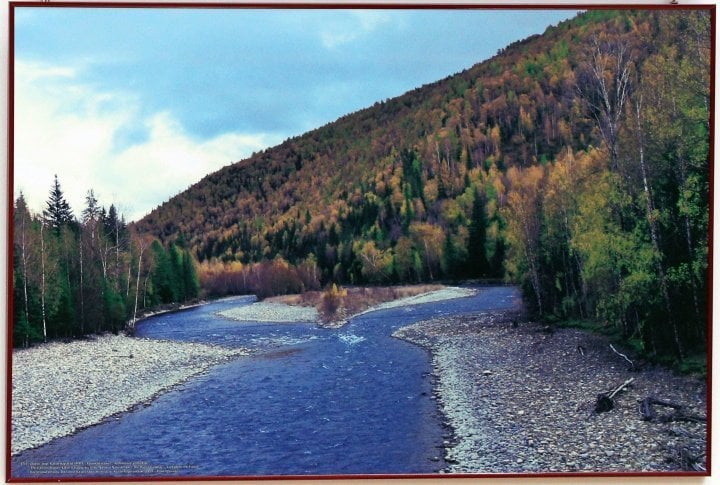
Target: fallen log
690	462
680	415
646	409
648	412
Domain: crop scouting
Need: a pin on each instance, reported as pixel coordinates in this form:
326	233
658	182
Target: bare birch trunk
24	257
82	292
689	238
137	286
117	256
427	260
653	227
42	279
531	257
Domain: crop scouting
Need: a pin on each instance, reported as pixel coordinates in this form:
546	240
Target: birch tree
604	85
24	261
523	213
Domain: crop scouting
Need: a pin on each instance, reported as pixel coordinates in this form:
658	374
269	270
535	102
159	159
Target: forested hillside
575	163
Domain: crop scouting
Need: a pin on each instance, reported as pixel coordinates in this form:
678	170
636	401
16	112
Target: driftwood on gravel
682	455
648	412
605	401
632	364
690	462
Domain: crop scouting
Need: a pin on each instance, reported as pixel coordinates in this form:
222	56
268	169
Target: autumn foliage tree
618	228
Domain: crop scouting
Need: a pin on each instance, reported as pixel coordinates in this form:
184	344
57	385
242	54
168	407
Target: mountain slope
409	188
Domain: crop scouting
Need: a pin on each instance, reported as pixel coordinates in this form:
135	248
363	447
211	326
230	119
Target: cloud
171	160
97	139
138	104
31	72
354	25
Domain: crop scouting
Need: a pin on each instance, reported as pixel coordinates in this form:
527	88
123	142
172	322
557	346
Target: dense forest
575	163
76	277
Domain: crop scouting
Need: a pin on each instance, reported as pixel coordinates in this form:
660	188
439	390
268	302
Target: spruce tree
177	279
190	277
496	264
58	213
477	259
111	224
92	211
162	277
451	258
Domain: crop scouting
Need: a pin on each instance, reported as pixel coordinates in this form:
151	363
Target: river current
308	401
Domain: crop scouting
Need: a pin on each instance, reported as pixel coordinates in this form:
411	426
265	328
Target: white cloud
371	19
357	24
32	72
68	128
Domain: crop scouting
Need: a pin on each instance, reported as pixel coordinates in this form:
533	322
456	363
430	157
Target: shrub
276	277
332	304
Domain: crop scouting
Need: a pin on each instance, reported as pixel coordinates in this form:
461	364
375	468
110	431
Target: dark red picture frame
12	162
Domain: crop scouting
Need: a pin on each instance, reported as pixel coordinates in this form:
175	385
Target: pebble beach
519	399
59	388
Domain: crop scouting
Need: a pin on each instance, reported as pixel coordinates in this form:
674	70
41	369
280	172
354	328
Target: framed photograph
333	240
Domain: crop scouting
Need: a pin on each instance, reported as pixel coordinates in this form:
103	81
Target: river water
309	401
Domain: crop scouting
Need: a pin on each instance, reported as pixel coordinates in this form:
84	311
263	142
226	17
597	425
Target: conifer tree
190	277
162	277
57	212
477	259
177	279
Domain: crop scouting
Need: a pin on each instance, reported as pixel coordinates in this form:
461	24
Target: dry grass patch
336	304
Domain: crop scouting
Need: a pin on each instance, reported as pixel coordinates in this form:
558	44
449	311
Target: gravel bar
449	293
520	398
282	313
59	388
271	312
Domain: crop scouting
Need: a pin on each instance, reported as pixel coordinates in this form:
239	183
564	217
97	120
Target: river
309	401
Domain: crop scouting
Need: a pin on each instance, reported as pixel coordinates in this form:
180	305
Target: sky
138	104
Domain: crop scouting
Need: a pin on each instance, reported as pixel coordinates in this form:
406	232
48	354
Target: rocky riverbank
59	388
521	399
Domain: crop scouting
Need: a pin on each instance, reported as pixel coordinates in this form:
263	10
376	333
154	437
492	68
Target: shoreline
520	400
61	388
177	308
